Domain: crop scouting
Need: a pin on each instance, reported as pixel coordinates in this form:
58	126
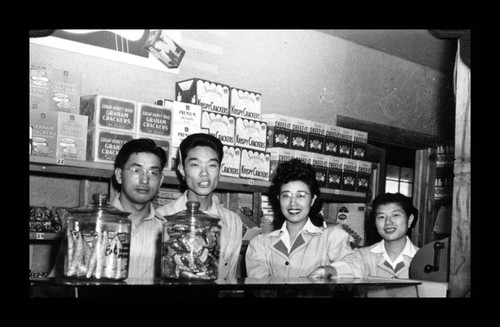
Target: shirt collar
308	227
180	204
409	250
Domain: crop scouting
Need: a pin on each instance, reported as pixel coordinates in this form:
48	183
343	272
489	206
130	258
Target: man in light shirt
394	216
200	158
137	179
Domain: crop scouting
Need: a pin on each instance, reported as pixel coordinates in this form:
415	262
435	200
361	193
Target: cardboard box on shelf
231	161
363	175
316	137
44	133
332	139
186	119
255	164
299	134
40	87
345	142
220	126
304	156
154	120
103	145
359	141
245	104
250	134
71	136
320	165
278	130
166	195
54	89
334	173
349	170
278	155
110	113
58	134
210	96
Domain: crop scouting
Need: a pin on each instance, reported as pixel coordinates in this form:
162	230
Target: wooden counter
243	287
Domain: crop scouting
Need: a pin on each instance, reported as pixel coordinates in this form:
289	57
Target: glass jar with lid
97	241
190	245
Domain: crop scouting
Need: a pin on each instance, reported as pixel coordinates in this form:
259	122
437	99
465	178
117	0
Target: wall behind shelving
302	73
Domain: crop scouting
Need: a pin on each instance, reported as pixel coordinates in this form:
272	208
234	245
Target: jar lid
99	208
192	212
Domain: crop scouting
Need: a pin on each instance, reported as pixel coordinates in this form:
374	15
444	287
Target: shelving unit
94	170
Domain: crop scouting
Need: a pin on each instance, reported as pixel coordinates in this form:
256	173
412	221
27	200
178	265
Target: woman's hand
327	272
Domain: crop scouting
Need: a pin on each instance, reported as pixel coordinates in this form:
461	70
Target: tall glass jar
190	245
97	241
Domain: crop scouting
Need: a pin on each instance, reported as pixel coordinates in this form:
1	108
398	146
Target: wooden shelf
95	170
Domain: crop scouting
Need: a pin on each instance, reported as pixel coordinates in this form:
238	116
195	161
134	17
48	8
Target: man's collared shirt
145	244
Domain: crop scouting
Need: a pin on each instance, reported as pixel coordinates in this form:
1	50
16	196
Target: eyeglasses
301	195
154	175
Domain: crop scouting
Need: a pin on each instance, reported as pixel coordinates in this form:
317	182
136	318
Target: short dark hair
290	171
136	146
201	139
404	201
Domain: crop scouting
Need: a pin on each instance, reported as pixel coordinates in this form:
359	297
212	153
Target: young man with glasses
302	241
137	179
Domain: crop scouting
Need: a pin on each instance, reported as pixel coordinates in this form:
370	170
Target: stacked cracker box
232	115
187	120
112	123
58	135
250	137
155	122
54	89
278	139
231	161
57	128
278	130
250	133
213	99
336	153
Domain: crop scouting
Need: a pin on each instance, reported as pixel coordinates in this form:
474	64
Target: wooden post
460	265
423	195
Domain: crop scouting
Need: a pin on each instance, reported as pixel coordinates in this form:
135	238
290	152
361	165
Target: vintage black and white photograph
250	163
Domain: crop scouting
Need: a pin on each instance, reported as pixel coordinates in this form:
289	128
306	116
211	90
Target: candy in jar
190	245
97	241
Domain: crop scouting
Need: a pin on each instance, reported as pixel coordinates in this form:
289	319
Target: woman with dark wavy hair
301	241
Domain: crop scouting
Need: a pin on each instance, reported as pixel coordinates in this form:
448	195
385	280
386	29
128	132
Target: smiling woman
301	242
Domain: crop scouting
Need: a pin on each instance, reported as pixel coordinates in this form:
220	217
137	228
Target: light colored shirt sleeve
231	241
351	265
255	258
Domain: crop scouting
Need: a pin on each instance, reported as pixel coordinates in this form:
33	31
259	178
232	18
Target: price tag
40	236
60	161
